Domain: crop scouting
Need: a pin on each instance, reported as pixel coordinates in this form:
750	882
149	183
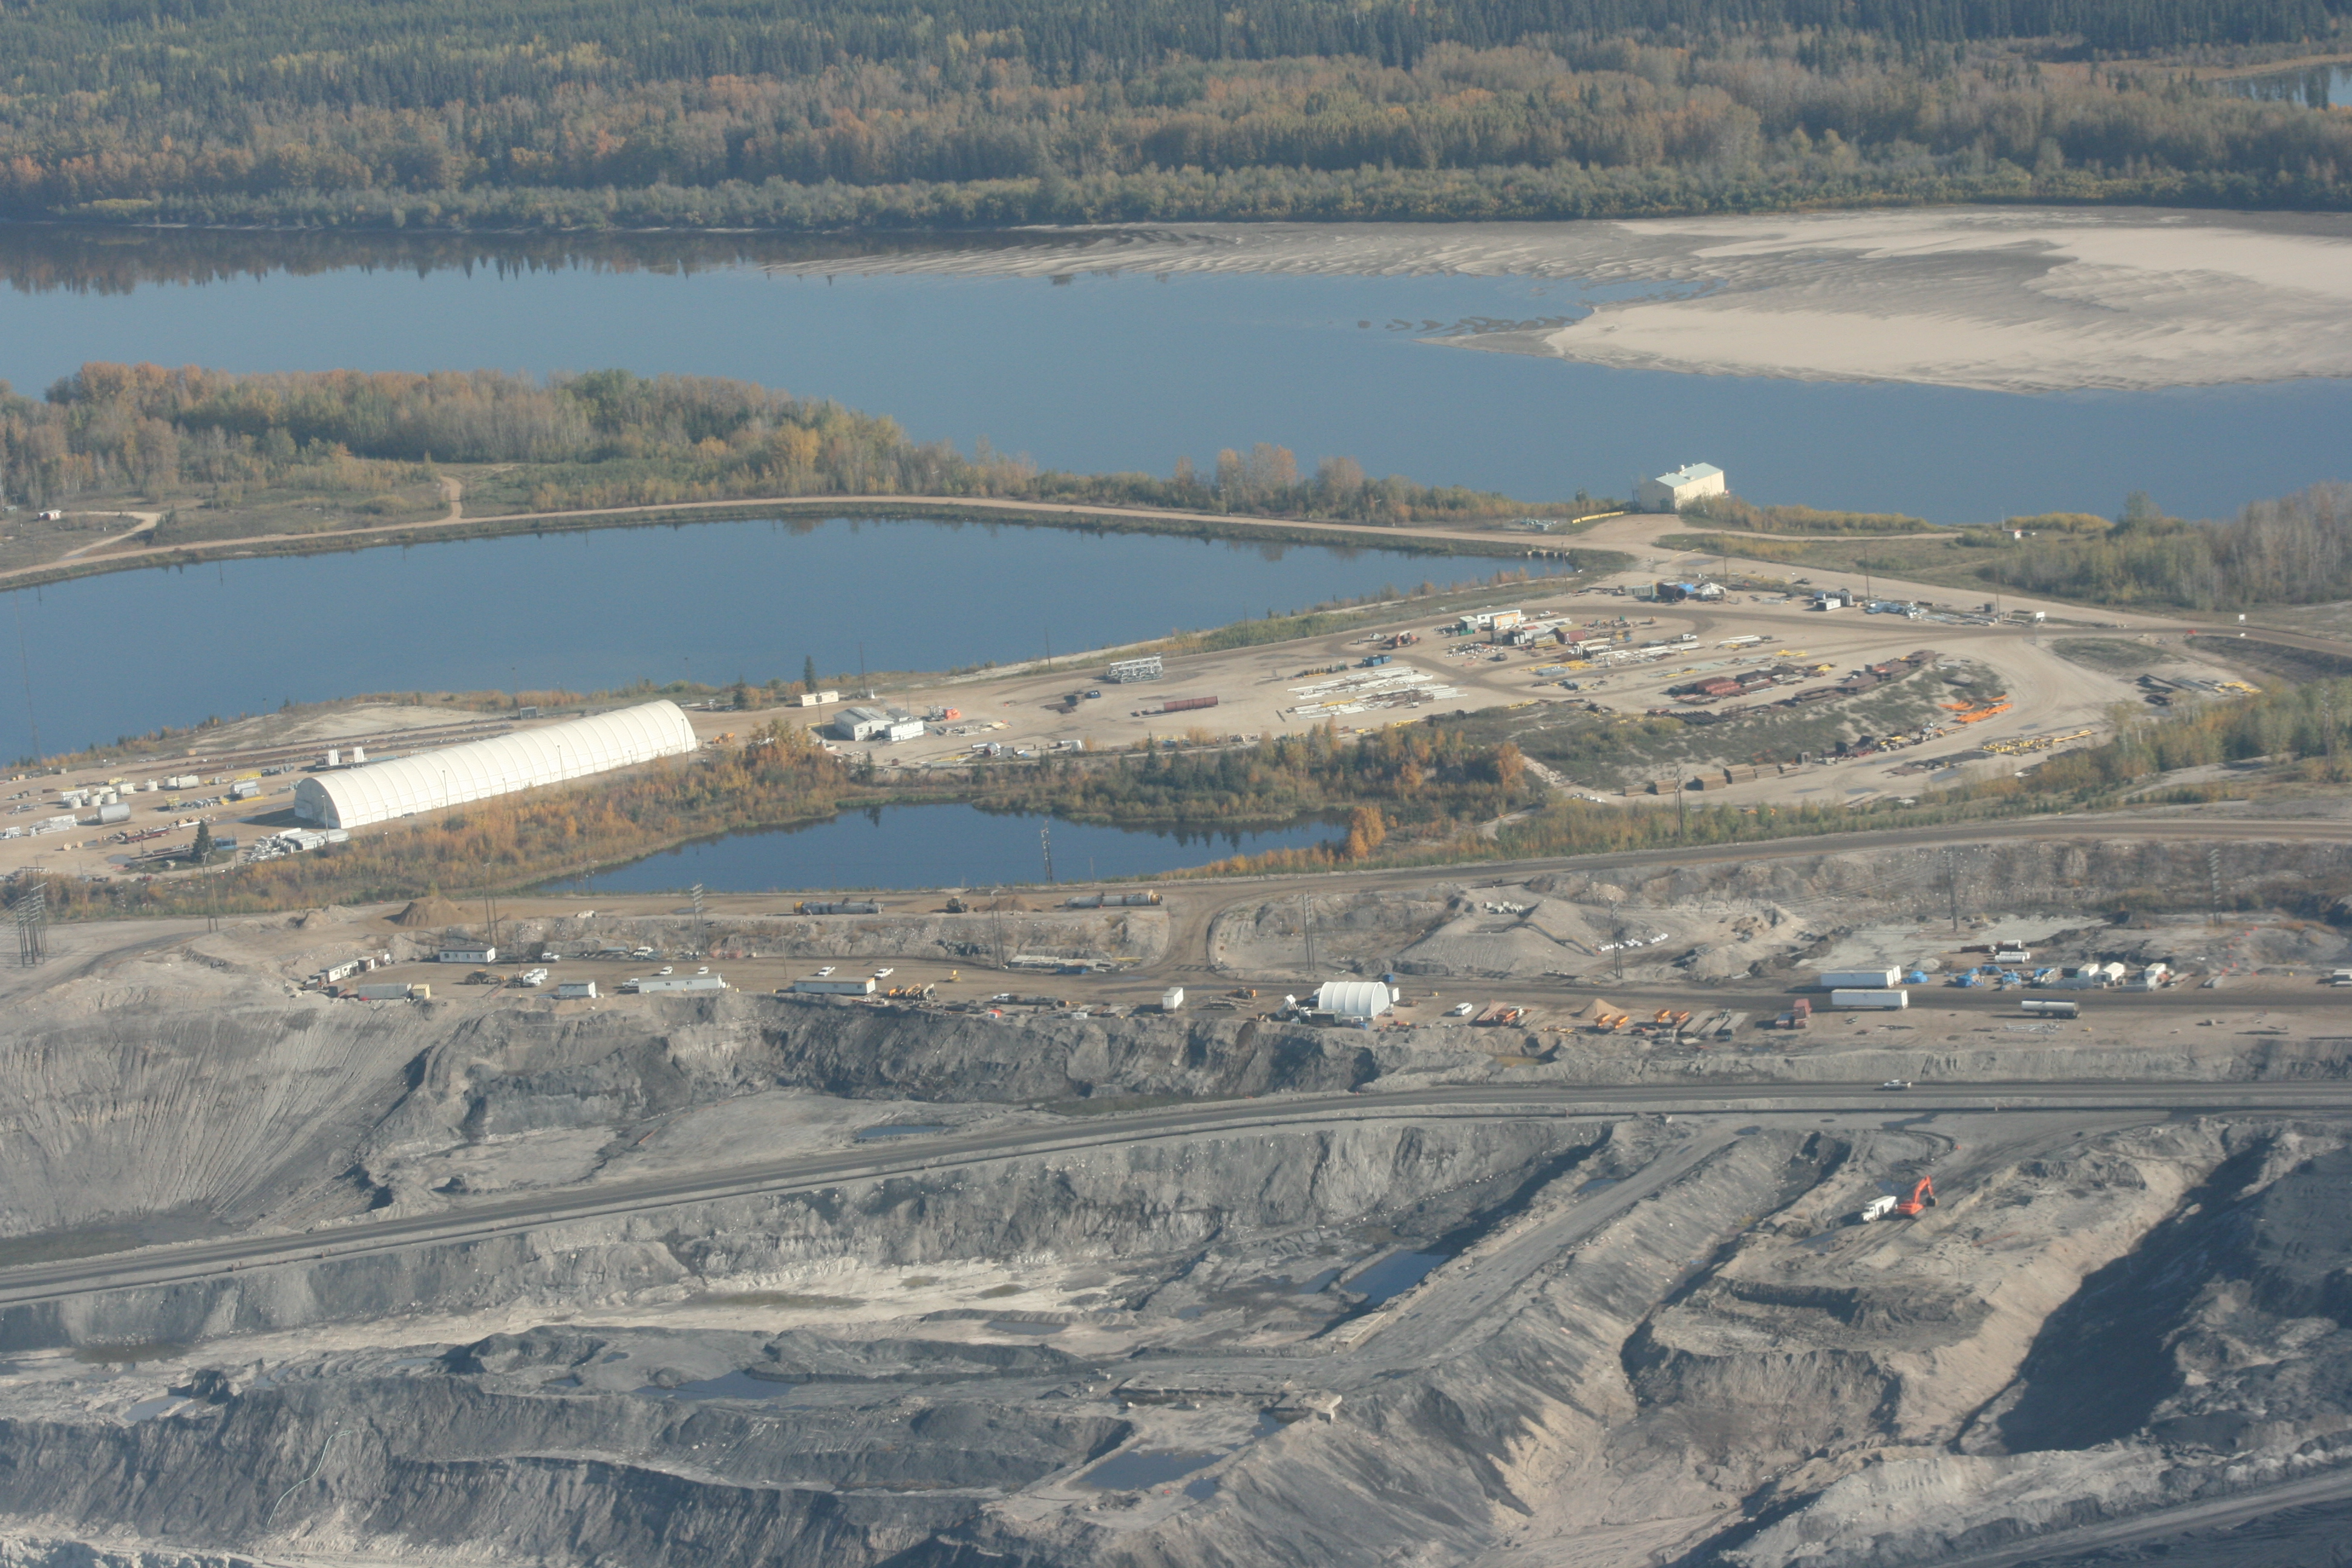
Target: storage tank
845	907
2053	1009
1870	997
115	812
1859	979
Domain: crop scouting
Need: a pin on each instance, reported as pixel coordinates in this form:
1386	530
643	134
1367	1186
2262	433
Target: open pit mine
1567	1257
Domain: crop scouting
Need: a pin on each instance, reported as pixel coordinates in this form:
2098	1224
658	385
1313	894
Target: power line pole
1952	881
2213	878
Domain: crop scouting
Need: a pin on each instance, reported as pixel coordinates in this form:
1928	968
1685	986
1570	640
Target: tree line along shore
987	113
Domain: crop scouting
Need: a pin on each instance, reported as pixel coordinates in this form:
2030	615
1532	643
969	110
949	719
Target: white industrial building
1671	492
479	770
884	724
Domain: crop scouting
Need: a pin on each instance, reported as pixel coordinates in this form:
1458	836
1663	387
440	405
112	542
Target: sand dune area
2006	298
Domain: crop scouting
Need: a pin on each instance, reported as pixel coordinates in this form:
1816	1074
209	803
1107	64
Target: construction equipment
1922	1199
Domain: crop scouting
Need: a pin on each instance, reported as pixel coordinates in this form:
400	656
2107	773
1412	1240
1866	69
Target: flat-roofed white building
480	770
1671	492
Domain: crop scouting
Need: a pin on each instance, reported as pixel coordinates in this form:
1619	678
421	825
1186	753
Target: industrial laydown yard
1145	1265
1768	699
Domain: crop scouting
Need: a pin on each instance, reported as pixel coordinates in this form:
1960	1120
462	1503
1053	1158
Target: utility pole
1306	925
1680	793
1617	940
1952	881
2213	878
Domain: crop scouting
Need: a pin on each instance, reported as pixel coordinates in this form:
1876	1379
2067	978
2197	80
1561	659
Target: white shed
1354	998
1674	492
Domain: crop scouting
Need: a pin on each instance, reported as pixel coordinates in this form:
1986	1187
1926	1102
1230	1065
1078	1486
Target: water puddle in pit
728	1385
1145	1467
899	1130
1598	1184
1321	1282
1394	1275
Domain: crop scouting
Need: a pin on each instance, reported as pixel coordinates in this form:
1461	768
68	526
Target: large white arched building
353	798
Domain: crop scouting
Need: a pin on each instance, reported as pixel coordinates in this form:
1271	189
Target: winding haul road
165	1266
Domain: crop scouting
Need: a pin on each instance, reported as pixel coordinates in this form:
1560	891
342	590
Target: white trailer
1868	997
1859	979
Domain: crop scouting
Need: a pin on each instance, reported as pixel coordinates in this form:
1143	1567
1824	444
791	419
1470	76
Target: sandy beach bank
2004	298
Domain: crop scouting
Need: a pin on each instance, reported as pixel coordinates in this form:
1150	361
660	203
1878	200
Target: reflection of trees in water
113	260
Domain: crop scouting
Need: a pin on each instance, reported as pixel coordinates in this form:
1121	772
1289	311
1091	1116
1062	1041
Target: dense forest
851	113
199	439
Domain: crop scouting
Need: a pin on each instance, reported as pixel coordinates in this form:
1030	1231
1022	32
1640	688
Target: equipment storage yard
2048	703
1399	668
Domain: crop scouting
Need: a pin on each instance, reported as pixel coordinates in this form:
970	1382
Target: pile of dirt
431	911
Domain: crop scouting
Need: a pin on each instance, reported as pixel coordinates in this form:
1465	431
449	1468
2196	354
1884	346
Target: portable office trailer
576	990
682	983
1859	979
816	986
1870	997
468	955
386	992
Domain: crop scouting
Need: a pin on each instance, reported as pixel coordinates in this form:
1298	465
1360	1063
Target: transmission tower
33	925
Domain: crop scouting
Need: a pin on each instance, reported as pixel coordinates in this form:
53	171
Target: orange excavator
1922	1199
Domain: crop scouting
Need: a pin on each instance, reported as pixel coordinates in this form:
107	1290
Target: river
1130	370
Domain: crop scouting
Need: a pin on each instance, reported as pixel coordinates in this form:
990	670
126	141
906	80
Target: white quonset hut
480	770
1354	998
1671	492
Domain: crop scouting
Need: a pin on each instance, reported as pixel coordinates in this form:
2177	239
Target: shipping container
1869	997
1863	979
392	991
